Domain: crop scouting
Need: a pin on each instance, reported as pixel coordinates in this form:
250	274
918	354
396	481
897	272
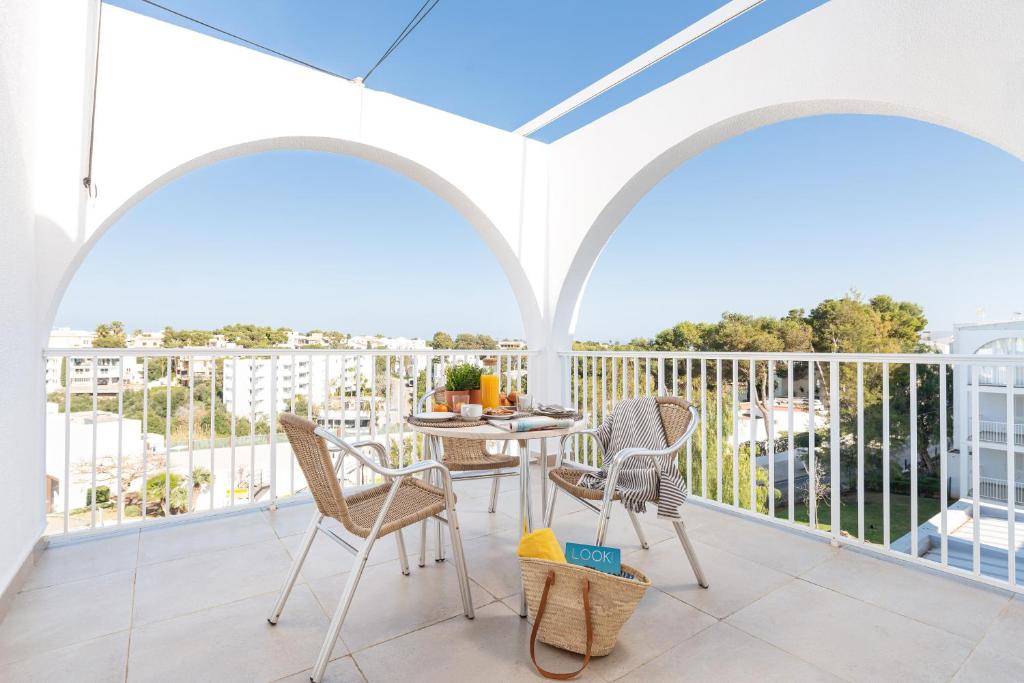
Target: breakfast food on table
498	412
440	408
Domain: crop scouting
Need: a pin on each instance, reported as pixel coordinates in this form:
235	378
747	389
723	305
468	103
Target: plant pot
475	396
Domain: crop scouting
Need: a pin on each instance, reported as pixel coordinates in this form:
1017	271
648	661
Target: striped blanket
636	423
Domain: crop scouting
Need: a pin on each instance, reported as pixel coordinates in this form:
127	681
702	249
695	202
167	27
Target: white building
994	384
64	338
145	340
80	451
247	383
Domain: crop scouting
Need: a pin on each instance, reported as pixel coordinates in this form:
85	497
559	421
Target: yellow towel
541	544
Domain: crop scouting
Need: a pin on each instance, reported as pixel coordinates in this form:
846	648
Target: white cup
472	410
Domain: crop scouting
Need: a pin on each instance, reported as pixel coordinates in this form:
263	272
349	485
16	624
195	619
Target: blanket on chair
636	423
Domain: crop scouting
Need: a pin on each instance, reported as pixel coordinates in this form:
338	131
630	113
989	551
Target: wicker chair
467	459
679	420
472	457
369	514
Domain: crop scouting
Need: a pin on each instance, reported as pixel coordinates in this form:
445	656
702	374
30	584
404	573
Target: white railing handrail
162	352
803	356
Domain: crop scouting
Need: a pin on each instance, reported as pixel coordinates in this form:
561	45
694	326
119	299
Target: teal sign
597	557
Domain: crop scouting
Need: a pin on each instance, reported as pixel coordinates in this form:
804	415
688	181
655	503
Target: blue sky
778	218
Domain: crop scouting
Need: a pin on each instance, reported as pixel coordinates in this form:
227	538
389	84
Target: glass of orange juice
489	382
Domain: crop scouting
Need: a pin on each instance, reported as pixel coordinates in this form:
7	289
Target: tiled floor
189	603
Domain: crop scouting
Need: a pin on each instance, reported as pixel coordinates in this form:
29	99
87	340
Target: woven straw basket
563	621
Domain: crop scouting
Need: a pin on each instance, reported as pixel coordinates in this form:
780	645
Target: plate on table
511	415
435	417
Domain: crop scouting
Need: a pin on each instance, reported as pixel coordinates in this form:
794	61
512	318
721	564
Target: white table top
489	433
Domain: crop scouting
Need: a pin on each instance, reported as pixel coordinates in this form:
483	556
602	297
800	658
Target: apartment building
996	387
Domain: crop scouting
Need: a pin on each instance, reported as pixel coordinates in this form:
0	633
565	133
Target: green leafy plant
102	495
462	377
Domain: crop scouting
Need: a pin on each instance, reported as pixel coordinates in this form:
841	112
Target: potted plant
462	384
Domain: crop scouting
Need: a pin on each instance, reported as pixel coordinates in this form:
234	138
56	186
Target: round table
489	433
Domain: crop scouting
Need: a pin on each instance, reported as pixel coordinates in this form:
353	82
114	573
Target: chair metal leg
293	573
403	558
604	516
334	630
691	554
639	529
460	561
549	514
495	483
423	543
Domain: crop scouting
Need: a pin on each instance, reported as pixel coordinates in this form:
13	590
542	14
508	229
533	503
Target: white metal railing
877	439
113	459
996	490
995	432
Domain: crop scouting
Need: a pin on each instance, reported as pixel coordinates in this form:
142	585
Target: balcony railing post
273	431
835	476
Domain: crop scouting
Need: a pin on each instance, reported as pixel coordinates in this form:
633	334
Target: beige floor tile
326	557
232	642
51	618
474	523
783	550
170	589
999	656
101	660
493	563
1006	633
735	582
850	638
984	666
342	670
722	653
182	540
290	519
387	604
951	604
492	647
659	623
84	559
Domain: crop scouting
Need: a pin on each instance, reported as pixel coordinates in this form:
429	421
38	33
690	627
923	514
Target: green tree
182	338
464	340
156	369
254	336
441	340
110	336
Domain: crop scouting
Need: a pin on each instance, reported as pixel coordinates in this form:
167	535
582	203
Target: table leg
543	478
525	514
435	478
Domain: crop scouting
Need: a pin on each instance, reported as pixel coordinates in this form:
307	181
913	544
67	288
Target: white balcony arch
170	101
913	60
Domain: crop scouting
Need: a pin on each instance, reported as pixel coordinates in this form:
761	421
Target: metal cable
87	180
409	28
251	43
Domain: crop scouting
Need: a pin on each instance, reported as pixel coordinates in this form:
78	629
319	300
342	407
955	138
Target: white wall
43	69
22	503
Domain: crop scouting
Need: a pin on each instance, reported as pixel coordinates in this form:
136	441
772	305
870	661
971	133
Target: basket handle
548	582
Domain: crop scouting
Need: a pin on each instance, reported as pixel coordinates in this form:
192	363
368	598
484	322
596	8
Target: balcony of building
845	533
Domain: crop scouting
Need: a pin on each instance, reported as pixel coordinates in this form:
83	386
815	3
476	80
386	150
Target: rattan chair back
675	417
315	460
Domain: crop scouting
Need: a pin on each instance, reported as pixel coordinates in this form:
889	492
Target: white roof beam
691	33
